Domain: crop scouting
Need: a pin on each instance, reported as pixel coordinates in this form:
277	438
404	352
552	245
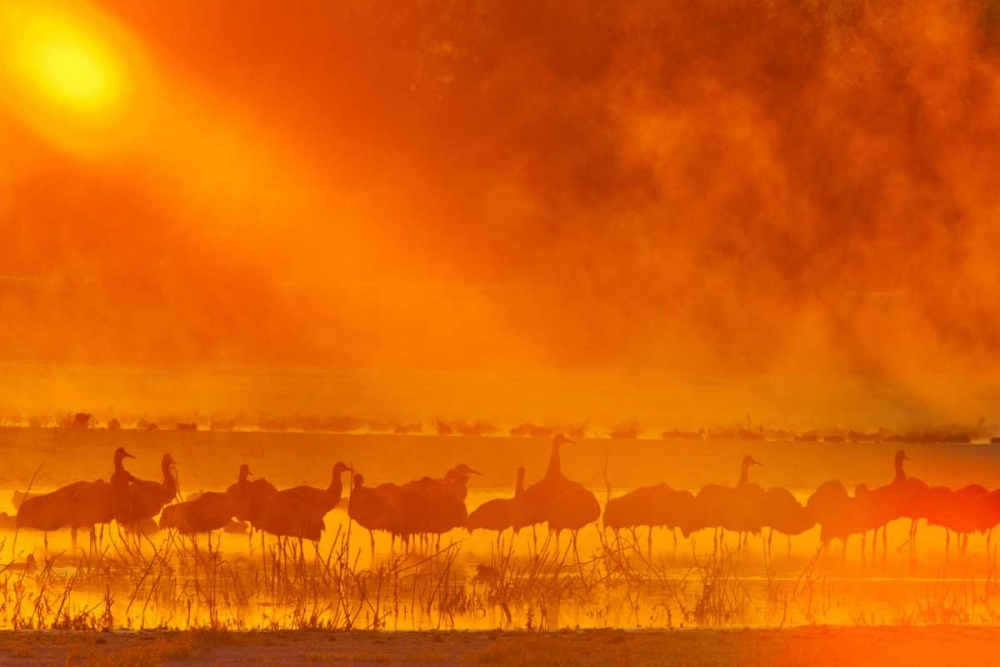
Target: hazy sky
630	210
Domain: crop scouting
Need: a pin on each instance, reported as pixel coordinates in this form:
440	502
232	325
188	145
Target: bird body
210	511
144	499
320	501
562	503
784	514
500	514
248	496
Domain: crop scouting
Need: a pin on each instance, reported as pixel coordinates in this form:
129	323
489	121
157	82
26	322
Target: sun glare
72	72
66	69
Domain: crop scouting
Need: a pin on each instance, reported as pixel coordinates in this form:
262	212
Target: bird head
245	471
359	481
121	454
901	456
340	468
560	439
750	461
462	469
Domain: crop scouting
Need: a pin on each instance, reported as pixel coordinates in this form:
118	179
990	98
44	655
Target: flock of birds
430	507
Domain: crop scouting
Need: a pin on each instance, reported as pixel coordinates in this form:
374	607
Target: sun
69	70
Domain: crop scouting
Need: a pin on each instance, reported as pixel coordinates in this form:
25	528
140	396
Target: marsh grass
141	582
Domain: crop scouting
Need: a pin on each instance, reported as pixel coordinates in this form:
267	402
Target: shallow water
614	584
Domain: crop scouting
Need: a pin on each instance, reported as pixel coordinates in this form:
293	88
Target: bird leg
649	542
864	537
674	531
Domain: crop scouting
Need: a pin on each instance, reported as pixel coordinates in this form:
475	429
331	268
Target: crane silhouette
209	512
74	506
431	506
144	499
371	509
783	514
320	501
736	509
561	502
500	514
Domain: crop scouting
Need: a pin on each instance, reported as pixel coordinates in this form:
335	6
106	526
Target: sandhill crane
210	511
289	515
867	514
430	506
782	513
903	497
20	496
651	506
500	514
564	504
955	511
320	501
371	509
121	478
987	511
833	509
248	495
77	505
145	499
736	509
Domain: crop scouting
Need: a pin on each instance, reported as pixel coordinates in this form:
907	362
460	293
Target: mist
501	210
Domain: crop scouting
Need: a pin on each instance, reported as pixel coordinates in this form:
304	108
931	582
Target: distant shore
817	646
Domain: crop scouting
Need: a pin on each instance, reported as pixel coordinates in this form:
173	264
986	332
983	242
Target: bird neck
744	475
555	464
169	481
336	488
900	473
519	487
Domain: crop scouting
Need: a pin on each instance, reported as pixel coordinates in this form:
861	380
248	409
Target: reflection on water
469	581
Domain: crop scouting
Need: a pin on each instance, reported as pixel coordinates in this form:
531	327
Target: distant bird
145	499
500	514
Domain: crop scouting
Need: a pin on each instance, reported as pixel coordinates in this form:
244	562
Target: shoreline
816	645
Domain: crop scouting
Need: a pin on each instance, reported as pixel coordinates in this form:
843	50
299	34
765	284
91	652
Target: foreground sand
811	646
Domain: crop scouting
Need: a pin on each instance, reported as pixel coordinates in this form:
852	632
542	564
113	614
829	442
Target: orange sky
636	211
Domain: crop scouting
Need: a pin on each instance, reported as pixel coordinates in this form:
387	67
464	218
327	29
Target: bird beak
126	455
474	472
905	457
755	462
